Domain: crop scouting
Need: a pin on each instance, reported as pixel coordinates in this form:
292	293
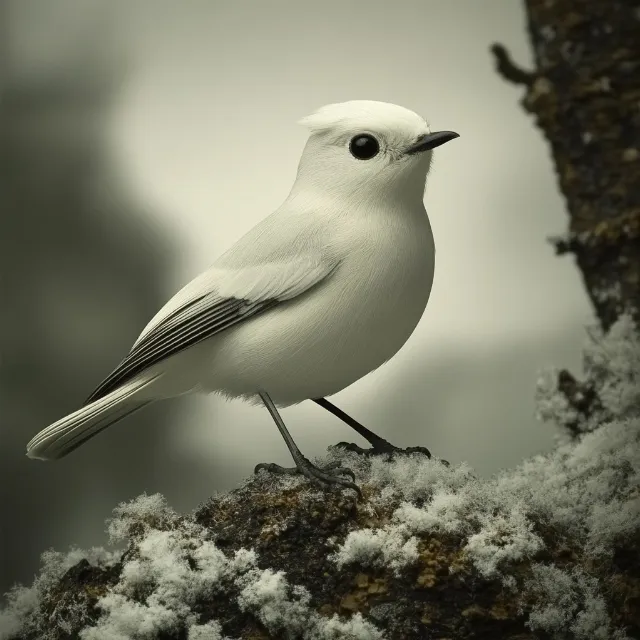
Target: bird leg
330	475
379	446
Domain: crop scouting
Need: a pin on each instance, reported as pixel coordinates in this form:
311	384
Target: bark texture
585	96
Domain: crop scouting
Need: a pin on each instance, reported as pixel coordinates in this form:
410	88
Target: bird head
368	149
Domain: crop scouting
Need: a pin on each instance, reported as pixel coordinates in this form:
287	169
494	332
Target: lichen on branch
432	551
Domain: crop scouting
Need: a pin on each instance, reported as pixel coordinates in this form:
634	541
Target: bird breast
338	331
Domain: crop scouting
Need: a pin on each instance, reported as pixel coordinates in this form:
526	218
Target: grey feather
193	322
64	448
214	301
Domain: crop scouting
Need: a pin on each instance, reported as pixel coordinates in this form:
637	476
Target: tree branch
507	68
584	96
547	550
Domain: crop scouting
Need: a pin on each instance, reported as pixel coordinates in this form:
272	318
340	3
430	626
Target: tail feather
67	434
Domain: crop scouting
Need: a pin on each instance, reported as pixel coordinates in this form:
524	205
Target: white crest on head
369	115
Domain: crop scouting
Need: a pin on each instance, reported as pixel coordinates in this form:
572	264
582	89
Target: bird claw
385	448
272	467
320	477
337	467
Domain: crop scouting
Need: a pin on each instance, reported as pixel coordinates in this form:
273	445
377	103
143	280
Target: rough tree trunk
585	96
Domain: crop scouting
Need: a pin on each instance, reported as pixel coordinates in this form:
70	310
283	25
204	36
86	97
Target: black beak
431	141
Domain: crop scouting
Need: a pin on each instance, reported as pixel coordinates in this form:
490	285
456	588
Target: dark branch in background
626	228
585	97
584	94
508	69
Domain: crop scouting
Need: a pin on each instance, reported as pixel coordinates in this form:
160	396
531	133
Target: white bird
316	296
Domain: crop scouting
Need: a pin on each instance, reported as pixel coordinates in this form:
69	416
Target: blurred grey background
139	139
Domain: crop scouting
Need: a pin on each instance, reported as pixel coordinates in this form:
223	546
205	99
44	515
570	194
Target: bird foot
385	448
328	476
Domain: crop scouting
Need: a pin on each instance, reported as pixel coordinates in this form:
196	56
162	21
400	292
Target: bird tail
67	434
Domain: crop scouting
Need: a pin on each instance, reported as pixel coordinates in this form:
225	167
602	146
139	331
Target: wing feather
214	302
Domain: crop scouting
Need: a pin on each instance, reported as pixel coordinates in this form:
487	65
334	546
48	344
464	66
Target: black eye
364	147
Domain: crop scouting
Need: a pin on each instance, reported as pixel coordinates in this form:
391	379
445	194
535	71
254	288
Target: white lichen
586	491
208	631
391	546
146	511
611	370
548	33
569	600
285	610
21	614
551	404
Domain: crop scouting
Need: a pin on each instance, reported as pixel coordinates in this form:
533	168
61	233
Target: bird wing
214	301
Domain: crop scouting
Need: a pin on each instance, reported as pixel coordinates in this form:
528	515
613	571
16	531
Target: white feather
367	115
58	439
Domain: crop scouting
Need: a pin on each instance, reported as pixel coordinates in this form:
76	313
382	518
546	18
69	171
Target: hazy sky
206	128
